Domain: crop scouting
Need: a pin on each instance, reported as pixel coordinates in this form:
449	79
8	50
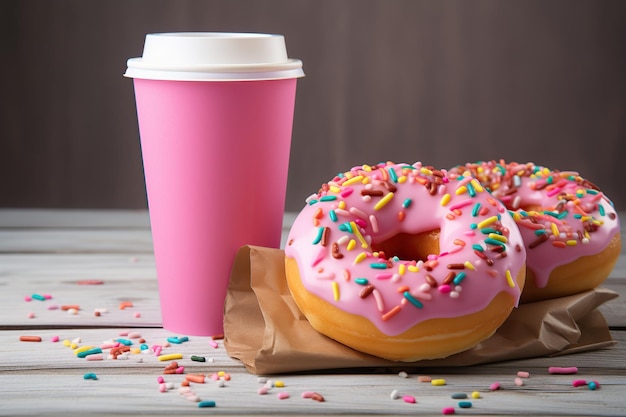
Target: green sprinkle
562	215
198	358
361	281
407	203
412	299
477	247
125	342
328	198
378	265
345	227
206	404
473	226
488	230
90	375
465	404
38	297
475	209
540	232
311	202
601	209
470	189
318	238
495	242
392	174
459	396
332	215
590	191
459	278
86	353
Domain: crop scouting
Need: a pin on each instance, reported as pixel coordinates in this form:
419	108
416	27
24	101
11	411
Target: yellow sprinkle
342	205
469	265
358	234
279	384
367	168
475	395
366	180
353	180
383	201
479	188
445	200
498	237
170	357
221	374
402	269
135	351
82	349
360	257
413	268
438	382
335	290
402	179
555	230
571	242
73	346
351	245
462	189
509	279
334	189
67	343
425	171
487	222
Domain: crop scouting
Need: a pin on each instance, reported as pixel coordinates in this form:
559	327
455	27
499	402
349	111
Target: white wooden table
98	260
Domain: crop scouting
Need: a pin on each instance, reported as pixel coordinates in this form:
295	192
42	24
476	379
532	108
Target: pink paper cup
215	149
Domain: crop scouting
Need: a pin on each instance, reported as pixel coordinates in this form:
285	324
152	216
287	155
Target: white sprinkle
394	394
403	374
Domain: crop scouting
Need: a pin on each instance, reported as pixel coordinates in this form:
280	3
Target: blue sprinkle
125	342
459	278
311	202
407	203
378	265
465	404
361	281
332	215
90	375
206	404
328	198
412	300
318	238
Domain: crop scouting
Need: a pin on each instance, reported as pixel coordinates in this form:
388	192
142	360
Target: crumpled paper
266	331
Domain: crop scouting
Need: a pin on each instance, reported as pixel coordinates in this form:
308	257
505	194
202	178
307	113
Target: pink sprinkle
96	357
157	350
54	339
31	315
262	391
162	387
47	296
444	289
160	379
283	395
180	370
53	307
213	344
408	399
346	192
137	315
579	382
495	386
523	374
519	381
563	371
307	394
447	411
28	298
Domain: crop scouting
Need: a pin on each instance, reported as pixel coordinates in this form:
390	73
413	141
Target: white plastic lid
207	56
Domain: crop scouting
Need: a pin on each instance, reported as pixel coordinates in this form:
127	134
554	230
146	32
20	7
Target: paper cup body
215	154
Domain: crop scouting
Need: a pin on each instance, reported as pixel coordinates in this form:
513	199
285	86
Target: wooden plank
66	218
40	378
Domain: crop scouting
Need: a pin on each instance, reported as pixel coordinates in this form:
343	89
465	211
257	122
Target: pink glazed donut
404	262
570	228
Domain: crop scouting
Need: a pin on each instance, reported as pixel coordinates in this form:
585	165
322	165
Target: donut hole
407	246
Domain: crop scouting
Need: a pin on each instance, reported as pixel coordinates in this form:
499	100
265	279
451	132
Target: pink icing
574	217
334	241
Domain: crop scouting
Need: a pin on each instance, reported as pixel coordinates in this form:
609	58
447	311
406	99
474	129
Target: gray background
443	82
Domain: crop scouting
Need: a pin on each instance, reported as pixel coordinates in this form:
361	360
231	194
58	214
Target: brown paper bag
264	328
